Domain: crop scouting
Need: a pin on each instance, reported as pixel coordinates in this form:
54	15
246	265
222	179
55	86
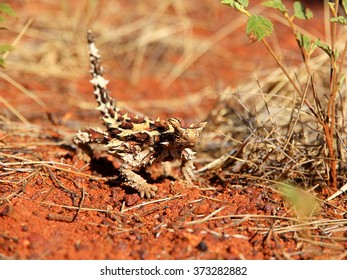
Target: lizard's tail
107	105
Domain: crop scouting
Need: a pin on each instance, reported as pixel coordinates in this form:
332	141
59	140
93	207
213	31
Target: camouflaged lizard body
138	141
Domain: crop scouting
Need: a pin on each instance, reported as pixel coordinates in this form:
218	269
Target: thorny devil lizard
138	141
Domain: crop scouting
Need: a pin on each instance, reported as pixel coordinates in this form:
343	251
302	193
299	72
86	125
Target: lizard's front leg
137	182
187	166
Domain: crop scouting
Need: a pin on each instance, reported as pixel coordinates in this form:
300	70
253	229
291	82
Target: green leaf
259	27
304	41
326	48
5	48
276	4
344	5
342	79
2	62
304	203
239	5
323	46
7	10
244	3
233	2
340	19
301	12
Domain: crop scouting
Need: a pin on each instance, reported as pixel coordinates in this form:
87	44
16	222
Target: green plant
5	12
259	27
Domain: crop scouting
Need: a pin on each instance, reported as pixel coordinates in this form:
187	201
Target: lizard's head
186	137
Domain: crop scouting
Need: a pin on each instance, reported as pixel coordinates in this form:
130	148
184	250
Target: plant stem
291	80
304	54
329	130
325	123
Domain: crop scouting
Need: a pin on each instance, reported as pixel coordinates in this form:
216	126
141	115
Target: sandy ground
163	58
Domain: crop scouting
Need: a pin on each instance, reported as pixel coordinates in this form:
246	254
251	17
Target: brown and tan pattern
137	140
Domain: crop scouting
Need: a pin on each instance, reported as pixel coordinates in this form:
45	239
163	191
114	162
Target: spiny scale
137	141
106	104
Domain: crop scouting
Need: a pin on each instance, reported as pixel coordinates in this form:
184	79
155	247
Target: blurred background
173	56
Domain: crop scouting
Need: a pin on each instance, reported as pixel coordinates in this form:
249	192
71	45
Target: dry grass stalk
258	134
279	135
